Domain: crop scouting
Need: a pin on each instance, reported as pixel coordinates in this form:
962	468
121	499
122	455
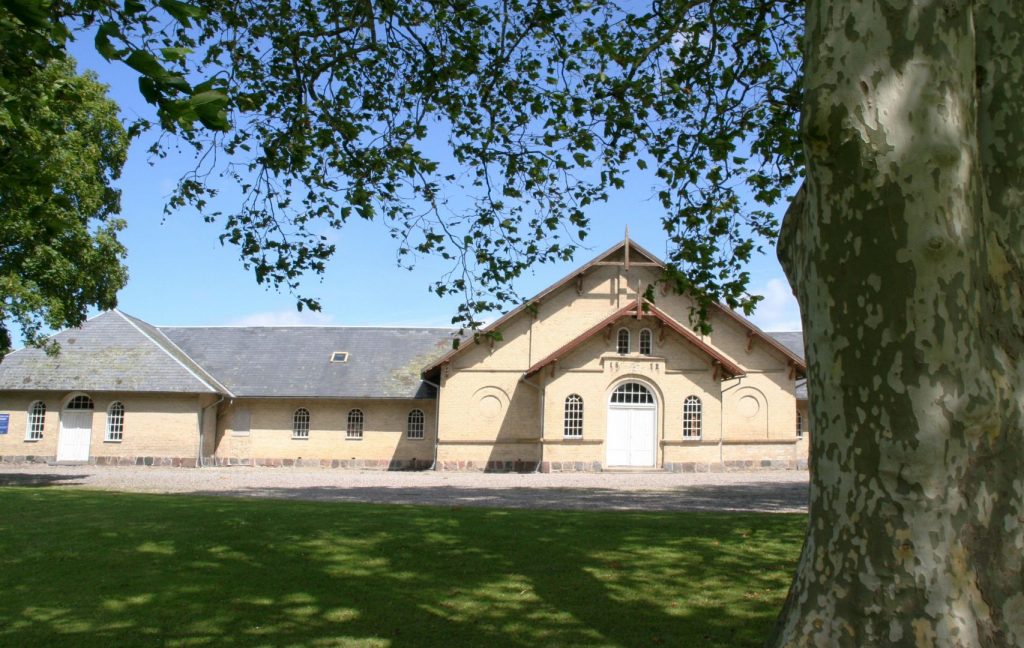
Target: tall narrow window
36	421
115	422
414	426
300	424
622	345
355	424
645	342
691	417
573	416
799	424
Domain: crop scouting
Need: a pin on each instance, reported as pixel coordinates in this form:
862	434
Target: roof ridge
129	319
301	326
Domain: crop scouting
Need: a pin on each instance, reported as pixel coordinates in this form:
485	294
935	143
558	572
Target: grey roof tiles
294	361
116	352
110	352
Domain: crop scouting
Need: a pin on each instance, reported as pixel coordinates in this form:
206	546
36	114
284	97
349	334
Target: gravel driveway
780	492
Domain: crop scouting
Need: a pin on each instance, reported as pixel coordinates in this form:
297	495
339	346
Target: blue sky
179	274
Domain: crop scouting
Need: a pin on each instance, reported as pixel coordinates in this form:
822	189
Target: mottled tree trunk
905	250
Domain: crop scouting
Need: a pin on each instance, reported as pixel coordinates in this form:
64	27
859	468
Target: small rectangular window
339	356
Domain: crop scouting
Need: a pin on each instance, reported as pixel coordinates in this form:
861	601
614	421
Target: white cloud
288	317
778	311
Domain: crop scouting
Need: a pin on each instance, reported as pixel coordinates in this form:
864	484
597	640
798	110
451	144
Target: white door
641	437
75	430
631	433
618	437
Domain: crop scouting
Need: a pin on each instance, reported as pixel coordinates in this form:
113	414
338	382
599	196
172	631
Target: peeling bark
906	249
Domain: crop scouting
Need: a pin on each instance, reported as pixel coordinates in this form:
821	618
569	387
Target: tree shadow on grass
90	568
39	479
739	497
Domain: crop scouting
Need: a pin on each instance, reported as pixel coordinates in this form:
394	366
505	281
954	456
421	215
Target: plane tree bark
905	250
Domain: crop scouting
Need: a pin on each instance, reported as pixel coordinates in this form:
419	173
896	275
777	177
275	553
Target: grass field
109	569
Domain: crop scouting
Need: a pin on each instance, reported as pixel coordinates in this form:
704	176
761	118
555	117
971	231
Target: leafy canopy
61	146
479	132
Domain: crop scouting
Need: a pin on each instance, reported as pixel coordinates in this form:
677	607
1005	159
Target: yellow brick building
585	376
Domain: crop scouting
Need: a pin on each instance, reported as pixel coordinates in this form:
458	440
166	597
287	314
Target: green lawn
94	568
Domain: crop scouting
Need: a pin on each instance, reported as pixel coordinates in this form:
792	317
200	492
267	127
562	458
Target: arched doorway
75	429
632	426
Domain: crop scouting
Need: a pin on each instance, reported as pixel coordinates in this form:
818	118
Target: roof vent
339	356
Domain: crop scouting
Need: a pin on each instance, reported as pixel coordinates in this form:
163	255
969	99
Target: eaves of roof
729	369
795	361
434	366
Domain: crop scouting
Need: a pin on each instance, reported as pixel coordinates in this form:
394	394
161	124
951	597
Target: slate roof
110	352
294	361
116	352
794	341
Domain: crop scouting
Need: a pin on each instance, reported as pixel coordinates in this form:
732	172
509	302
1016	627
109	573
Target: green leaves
480	133
181	11
62	145
32	13
147	65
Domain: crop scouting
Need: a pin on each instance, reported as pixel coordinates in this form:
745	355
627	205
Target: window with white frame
300	424
355	424
80	402
645	342
622	344
115	422
414	426
692	410
632	393
36	421
799	424
573	416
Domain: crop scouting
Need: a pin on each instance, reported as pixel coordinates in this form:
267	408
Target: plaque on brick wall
5	420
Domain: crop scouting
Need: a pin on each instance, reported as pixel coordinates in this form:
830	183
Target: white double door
75	432
631	433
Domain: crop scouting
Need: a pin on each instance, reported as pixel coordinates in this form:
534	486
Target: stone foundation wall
571	466
735	466
299	462
488	466
175	462
27	459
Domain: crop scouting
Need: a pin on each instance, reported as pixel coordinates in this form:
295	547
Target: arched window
645	342
80	402
632	393
414	426
36	421
355	424
691	417
573	416
115	422
799	424
622	345
300	424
